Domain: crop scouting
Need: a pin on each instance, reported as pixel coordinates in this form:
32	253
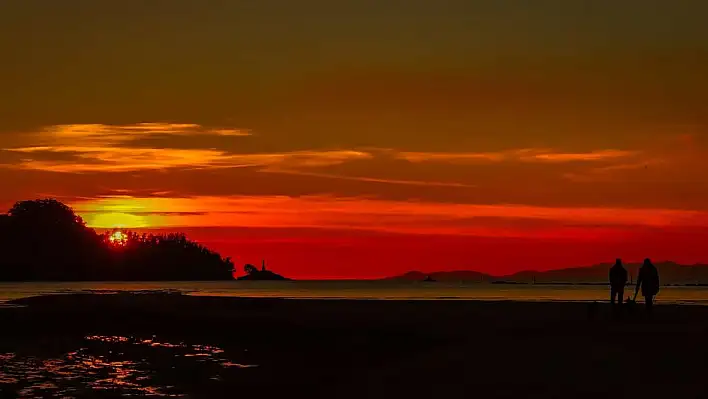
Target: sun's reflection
112	364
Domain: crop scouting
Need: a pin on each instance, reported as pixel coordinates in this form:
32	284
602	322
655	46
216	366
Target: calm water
356	290
118	365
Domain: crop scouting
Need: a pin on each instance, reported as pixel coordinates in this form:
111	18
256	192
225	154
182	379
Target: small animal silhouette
630	305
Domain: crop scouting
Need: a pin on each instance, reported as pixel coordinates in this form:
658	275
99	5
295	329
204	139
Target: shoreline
21	302
364	291
42	300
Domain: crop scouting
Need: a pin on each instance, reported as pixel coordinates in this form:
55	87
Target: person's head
647	262
618	262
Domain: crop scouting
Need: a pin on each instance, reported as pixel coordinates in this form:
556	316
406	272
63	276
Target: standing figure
648	280
618	279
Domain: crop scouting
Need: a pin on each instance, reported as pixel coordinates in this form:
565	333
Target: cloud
517	155
99	134
307	159
593	156
82	148
423	183
109	148
609	172
122	159
450	157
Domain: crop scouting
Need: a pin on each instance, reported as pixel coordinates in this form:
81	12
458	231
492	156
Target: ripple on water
125	365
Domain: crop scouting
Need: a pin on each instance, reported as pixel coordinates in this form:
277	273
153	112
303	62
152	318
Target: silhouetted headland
44	240
253	274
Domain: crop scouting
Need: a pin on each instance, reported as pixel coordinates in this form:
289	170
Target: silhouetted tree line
44	240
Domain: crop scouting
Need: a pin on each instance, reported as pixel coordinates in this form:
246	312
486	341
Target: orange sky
361	139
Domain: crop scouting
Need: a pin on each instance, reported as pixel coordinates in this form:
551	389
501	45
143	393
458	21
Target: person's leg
648	301
620	296
613	292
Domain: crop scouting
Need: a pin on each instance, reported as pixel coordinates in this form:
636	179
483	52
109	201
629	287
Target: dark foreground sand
384	349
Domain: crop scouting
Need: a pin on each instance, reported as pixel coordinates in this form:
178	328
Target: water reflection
126	366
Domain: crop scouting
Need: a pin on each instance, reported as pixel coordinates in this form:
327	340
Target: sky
361	138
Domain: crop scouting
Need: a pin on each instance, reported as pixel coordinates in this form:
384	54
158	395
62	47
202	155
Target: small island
253	274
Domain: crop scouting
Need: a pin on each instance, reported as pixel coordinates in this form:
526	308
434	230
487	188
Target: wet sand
229	347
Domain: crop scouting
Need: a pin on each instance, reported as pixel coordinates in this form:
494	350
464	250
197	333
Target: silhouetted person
648	280
618	279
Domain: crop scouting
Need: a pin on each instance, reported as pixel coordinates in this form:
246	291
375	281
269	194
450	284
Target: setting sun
118	238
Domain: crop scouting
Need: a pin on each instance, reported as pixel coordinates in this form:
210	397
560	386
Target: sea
359	290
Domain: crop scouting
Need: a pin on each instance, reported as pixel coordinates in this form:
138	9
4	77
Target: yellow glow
345	213
125	212
112	220
118	237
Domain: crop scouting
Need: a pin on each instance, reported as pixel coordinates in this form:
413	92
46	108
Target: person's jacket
618	276
648	279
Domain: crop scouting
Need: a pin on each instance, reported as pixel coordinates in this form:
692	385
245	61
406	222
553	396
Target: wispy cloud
100	134
608	172
115	159
122	159
451	157
517	155
424	183
593	156
110	148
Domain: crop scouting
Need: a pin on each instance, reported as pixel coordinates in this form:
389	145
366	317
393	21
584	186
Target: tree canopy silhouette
45	240
250	269
46	212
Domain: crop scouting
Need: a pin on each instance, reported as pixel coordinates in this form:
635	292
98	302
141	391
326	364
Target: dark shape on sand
630	306
44	240
428	279
253	274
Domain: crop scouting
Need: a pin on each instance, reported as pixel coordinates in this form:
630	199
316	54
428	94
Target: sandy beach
349	349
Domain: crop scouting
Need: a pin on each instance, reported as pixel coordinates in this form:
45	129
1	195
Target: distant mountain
669	272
